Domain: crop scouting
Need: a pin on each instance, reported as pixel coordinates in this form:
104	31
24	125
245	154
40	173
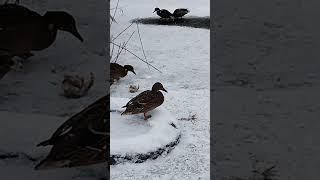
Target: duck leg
146	117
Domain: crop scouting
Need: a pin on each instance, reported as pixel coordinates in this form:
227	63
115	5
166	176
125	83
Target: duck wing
92	116
144	102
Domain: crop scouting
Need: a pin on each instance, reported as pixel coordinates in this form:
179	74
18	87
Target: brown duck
145	101
117	71
23	30
81	140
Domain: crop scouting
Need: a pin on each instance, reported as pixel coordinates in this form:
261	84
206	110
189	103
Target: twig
122	32
113	19
114	14
145	57
124	45
136	56
118	53
111	54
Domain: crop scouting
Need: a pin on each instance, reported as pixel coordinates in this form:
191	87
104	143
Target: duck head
129	68
158	86
156	10
63	21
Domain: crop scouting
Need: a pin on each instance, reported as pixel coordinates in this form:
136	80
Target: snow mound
135	139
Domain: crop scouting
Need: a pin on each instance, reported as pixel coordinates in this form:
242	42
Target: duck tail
125	112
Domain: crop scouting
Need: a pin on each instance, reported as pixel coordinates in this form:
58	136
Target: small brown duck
81	140
145	101
23	30
117	71
178	13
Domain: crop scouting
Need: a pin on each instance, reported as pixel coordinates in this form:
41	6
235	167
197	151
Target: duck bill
133	72
76	34
165	90
154	11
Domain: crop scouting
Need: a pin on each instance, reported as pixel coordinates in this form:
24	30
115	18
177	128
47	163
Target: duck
81	140
163	13
118	71
145	101
178	13
23	30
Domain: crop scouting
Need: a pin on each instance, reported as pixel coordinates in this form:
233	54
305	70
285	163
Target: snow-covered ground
183	55
31	105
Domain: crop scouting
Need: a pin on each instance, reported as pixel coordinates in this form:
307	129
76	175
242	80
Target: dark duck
23	30
118	71
145	101
81	140
178	13
163	13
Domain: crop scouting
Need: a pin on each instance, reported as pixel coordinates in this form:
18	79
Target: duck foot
146	117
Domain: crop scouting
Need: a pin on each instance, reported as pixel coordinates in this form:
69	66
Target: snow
31	103
131	134
183	56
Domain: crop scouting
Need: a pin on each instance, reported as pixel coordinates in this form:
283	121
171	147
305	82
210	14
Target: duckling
81	140
163	13
178	13
23	30
118	71
145	101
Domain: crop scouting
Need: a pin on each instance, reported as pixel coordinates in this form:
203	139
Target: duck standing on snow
23	30
117	71
178	13
163	13
145	101
81	140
